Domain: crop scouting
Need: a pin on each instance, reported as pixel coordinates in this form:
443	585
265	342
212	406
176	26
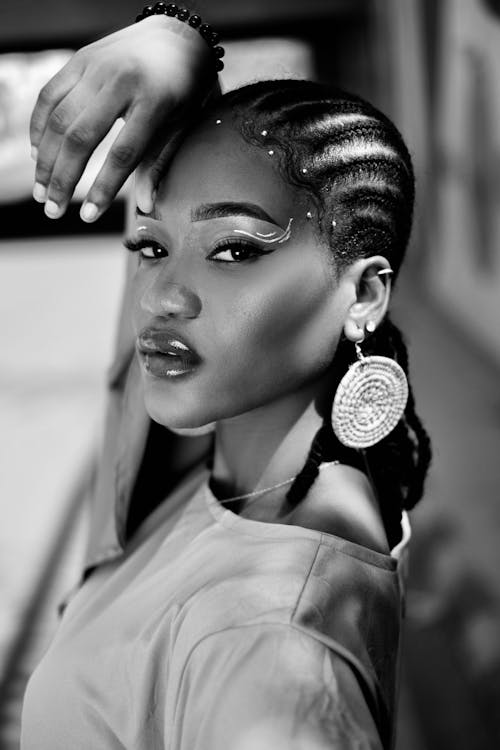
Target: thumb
144	189
151	170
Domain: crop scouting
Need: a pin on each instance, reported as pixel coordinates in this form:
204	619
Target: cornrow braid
354	165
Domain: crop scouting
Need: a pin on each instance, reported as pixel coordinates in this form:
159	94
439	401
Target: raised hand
156	75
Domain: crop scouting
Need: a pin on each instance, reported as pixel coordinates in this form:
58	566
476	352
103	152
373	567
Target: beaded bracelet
183	14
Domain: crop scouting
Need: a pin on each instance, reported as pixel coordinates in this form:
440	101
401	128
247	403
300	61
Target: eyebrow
228	209
220	210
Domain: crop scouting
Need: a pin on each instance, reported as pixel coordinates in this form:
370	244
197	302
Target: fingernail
34	153
146	204
52	210
89	211
40	192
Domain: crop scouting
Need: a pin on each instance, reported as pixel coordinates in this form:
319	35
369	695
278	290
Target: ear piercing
218	122
370	326
385	271
309	215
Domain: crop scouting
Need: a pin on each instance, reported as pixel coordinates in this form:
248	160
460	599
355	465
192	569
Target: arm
156	75
270	687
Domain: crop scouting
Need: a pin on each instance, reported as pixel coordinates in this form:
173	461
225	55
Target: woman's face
260	317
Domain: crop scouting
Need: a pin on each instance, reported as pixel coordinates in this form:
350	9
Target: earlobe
353	330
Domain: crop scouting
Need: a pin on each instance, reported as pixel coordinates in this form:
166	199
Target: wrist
188	25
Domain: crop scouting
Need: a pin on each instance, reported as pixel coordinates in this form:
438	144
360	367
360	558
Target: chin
187	423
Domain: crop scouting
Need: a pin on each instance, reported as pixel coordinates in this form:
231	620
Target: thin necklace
258	493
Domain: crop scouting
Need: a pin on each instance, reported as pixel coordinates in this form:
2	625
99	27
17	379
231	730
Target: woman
252	597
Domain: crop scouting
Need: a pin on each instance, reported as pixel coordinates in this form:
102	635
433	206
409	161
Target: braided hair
353	163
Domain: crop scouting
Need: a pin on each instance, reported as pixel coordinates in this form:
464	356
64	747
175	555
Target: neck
268	445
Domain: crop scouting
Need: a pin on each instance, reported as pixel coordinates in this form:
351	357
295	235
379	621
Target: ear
370	278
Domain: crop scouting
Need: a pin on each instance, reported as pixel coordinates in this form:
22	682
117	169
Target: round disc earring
369	401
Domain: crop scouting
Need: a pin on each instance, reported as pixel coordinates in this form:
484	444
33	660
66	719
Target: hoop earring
369	401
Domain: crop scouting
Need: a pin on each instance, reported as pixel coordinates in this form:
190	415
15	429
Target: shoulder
274	685
342	502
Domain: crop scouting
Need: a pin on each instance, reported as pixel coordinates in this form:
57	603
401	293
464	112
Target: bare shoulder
342	502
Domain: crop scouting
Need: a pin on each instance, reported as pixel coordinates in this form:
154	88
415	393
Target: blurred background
434	67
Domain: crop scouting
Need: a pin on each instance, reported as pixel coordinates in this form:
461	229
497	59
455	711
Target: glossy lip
166	366
164	353
152	340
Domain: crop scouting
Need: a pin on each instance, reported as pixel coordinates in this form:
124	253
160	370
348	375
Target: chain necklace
258	493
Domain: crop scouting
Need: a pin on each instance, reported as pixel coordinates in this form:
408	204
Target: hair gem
269	237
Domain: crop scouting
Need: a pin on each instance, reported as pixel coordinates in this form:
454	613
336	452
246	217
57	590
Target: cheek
136	292
283	330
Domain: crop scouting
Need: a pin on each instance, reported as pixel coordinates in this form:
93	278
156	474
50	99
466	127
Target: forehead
215	164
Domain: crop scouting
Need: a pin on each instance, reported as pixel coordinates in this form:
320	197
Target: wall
464	254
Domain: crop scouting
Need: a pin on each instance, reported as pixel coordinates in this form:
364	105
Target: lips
165	353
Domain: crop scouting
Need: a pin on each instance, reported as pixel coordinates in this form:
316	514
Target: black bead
148	11
195	21
183	14
139	18
205	30
160	8
219	51
213	37
219	65
171	9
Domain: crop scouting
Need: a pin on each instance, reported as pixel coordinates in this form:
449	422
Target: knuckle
122	156
35	128
42	175
58	185
78	138
130	74
59	121
46	94
103	190
100	194
43	170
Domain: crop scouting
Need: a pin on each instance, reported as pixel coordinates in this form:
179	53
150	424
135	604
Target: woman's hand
156	75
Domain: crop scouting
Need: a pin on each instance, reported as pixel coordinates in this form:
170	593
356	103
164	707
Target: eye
149	249
235	251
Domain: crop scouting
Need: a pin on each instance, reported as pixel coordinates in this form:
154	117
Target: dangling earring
370	400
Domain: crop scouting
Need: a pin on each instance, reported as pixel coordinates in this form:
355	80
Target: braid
307	476
354	165
399	463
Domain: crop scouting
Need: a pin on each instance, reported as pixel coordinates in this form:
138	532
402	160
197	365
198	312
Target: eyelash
136	246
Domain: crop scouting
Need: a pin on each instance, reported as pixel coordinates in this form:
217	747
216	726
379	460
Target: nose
171	299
